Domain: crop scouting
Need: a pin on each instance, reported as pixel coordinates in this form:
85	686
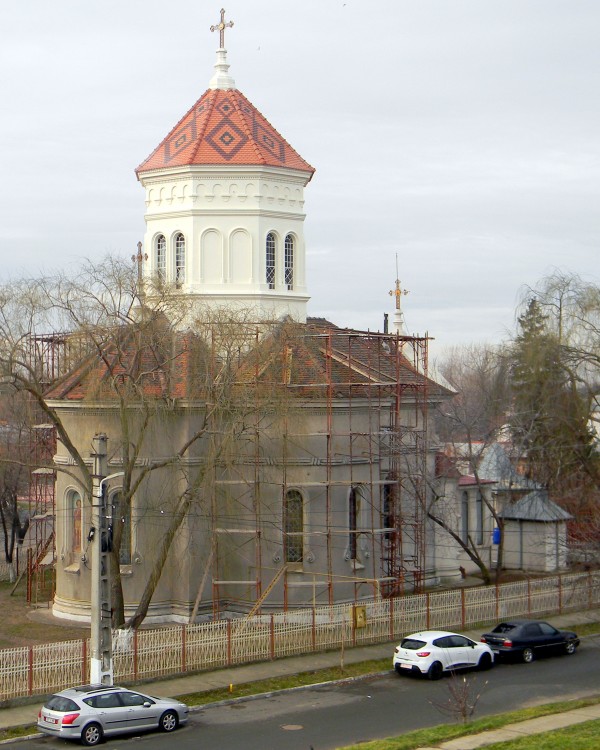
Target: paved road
325	718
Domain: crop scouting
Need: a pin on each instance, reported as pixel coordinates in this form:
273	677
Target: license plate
50	720
406	666
496	650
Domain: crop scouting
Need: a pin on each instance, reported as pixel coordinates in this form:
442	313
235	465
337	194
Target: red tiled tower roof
224	128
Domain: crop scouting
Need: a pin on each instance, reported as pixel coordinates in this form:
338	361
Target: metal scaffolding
382	383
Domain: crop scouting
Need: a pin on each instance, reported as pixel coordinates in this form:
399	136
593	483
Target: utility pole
101	662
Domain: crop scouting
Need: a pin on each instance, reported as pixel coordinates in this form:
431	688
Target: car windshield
412	644
60	703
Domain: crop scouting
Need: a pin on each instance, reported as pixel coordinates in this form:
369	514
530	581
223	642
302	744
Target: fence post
560	593
272	636
83	660
497	600
135	654
314	629
529	597
391	606
427	617
183	648
30	675
228	643
462	608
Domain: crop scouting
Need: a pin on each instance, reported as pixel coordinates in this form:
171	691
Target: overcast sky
463	135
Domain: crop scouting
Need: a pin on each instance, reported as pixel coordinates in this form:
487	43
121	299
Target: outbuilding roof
535	506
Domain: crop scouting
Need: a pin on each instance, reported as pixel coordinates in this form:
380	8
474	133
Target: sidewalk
26	714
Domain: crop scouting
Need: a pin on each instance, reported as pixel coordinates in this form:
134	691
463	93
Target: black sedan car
527	639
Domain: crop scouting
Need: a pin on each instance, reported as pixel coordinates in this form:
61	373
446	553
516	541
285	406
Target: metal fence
145	654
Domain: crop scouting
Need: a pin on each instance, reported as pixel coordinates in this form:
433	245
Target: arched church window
479	518
464	517
289	261
161	257
293	527
179	259
353	515
76	517
122	526
270	258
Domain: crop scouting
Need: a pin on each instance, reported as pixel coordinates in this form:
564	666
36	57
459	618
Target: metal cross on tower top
221	28
398	291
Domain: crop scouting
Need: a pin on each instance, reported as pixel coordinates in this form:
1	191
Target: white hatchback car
434	652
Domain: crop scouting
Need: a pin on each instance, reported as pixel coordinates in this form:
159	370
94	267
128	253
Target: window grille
289	261
293	526
161	257
270	257
179	259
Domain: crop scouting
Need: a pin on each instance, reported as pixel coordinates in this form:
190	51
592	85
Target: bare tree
463	697
556	381
128	350
14	475
468	424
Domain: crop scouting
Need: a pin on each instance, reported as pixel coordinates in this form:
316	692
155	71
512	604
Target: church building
313	487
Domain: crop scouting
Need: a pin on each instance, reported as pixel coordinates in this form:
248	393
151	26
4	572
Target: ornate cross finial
397	292
221	28
139	258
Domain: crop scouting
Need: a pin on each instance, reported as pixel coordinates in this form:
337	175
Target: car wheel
435	671
570	647
485	662
527	655
91	735
398	669
168	721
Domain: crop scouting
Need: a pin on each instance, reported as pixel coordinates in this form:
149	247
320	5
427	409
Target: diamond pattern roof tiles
223	127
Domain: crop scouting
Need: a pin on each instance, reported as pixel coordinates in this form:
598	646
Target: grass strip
434	736
285	682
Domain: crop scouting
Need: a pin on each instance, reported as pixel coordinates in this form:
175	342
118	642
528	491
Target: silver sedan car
89	712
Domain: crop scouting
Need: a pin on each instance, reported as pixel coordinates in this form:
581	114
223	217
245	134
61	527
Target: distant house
479	481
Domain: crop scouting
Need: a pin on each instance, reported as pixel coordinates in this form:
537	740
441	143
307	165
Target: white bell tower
225	206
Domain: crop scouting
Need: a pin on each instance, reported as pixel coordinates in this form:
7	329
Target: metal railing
146	654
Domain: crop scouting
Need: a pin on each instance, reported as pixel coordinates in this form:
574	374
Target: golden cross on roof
397	293
221	28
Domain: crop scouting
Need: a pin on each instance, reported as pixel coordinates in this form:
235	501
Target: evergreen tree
550	418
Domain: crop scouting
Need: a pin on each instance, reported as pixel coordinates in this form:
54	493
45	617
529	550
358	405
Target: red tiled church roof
223	127
168	364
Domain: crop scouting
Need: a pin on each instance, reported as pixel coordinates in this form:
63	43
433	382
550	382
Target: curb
270	694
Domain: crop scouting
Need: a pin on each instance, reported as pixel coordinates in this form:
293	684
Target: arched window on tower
161	257
179	259
270	260
293	527
289	261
